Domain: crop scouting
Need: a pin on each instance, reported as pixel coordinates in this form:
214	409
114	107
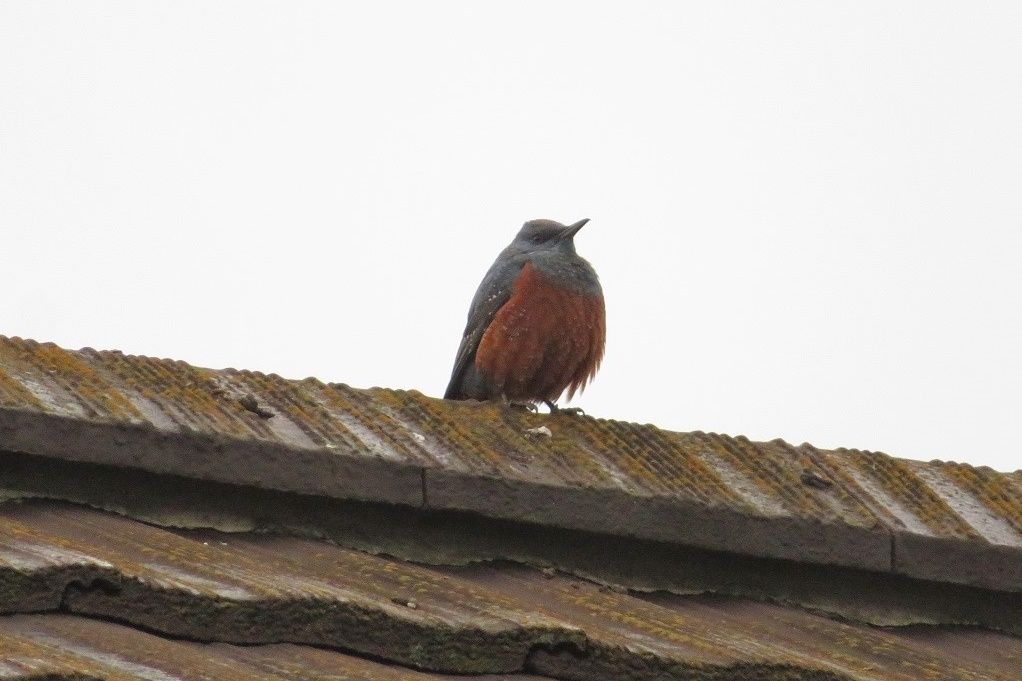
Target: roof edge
444	537
338	475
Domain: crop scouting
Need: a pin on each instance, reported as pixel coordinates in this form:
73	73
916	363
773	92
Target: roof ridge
937	521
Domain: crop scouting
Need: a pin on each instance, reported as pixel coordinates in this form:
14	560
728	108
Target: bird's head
547	235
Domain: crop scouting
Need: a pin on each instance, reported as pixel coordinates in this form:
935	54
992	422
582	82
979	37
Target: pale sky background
807	216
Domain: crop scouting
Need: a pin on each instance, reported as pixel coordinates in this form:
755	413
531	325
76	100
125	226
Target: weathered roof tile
65	648
497	618
154	438
844	507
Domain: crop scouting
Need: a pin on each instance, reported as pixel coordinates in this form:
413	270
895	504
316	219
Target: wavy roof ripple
845	507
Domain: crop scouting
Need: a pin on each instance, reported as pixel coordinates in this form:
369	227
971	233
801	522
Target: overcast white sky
807	216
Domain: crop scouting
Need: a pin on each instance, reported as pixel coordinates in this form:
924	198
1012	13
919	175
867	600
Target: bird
537	323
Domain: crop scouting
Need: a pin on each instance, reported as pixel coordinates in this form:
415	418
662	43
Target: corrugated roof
937	521
492	618
67	648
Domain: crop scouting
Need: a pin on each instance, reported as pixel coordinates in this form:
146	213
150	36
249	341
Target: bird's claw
521	406
554	409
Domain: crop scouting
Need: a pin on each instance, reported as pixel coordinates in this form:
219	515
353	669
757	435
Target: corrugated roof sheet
937	521
493	618
67	648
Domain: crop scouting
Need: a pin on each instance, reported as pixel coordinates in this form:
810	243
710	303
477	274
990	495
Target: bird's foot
554	409
520	406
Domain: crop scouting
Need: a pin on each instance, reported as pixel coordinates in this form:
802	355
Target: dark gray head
547	235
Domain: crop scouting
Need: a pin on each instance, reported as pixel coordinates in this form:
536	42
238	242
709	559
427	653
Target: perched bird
537	324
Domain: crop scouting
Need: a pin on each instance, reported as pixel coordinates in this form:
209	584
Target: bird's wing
493	292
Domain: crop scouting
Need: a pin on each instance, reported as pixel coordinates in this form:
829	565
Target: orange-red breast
537	324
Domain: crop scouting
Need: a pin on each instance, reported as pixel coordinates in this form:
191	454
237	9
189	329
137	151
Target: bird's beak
571	230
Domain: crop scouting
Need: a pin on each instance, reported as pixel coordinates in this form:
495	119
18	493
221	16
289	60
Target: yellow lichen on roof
362	426
71	373
661	463
485	449
450	434
898	479
13	394
992	489
192	395
91	387
292	399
